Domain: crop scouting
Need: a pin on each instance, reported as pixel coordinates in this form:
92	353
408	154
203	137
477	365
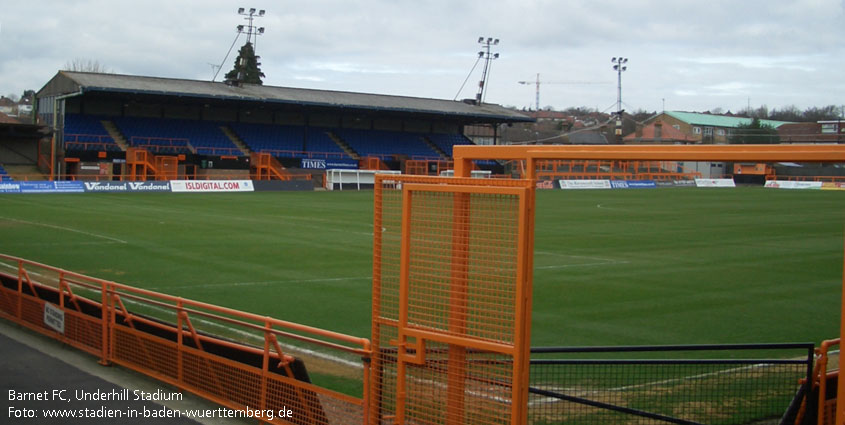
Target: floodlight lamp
240	28
496	56
261	12
625	60
489	40
261	30
615	67
240	10
614	59
480	39
251	10
624	68
480	54
496	41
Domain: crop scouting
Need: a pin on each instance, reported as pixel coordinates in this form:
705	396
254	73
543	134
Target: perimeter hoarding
183	186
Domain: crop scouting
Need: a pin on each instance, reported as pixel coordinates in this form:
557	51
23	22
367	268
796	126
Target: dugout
208	125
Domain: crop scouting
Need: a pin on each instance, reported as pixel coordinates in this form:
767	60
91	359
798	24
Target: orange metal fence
233	358
451	300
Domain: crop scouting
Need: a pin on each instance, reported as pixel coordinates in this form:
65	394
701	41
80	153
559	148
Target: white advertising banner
788	184
584	184
715	183
211	186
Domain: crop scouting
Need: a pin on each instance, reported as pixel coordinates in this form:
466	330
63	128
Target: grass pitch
666	266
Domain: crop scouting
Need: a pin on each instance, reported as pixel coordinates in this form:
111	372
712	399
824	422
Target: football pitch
665	266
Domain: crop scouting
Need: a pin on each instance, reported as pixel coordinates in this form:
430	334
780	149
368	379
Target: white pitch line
596	261
563	266
582	393
68	229
259	283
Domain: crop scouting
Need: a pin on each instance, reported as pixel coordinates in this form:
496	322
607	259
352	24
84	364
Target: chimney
658	130
638	133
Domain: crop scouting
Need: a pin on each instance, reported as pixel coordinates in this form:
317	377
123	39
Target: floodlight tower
619	66
487	56
252	32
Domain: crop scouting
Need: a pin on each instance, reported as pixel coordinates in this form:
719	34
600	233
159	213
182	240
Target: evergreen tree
754	133
246	64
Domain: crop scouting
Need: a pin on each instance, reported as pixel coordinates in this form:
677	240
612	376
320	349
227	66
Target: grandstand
200	122
86	132
4	176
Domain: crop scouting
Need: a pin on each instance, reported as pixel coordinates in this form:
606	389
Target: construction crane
537	83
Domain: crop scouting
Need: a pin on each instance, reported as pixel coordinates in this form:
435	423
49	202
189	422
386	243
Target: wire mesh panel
451	298
736	384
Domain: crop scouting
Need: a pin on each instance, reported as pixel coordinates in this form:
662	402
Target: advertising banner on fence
788	184
48	187
633	184
715	183
833	186
10	187
154	186
324	164
211	186
584	184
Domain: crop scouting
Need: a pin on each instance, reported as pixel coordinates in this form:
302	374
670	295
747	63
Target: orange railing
239	360
604	170
303	154
102	142
220	151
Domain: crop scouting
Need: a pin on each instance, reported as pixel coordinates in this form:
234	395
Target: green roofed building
707	128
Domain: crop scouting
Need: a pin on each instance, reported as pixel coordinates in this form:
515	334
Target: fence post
105	318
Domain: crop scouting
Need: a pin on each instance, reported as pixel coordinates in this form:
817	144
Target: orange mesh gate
451	300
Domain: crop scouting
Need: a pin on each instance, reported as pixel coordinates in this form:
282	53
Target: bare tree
86	65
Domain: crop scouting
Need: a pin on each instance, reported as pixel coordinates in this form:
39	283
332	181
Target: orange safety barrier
266	167
451	300
465	154
233	358
427	167
606	170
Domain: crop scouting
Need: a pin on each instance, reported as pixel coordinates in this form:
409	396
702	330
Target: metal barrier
686	384
451	300
238	360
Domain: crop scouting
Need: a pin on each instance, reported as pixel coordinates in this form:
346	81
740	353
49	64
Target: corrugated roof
92	82
709	120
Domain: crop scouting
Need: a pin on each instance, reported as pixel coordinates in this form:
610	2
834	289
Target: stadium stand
4	176
86	132
176	136
447	141
319	141
278	140
387	144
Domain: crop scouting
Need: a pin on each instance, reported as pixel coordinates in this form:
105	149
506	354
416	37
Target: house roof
587	138
67	82
667	134
710	120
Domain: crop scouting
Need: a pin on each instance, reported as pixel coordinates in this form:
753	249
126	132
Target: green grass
666	266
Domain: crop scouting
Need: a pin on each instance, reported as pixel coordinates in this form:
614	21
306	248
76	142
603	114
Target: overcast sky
692	55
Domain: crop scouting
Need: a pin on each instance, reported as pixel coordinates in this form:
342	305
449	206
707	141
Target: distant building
8	106
707	128
658	133
813	132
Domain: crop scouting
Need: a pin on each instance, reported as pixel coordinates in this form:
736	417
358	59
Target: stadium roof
709	120
68	82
